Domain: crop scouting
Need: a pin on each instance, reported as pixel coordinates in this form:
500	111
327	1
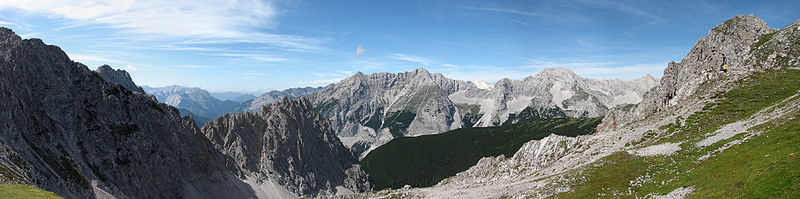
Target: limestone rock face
316	161
370	110
749	45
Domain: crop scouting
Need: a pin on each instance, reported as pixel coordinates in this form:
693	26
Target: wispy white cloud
489	73
542	64
130	68
410	58
91	58
637	27
288	42
624	7
323	81
193	66
503	10
254	75
213	21
174	18
450	66
5	23
253	56
360	50
29	35
554	13
329	78
630	71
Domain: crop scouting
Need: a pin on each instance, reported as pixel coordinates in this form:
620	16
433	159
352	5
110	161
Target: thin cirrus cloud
196	22
411	58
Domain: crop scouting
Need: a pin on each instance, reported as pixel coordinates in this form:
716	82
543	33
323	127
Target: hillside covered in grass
426	160
762	162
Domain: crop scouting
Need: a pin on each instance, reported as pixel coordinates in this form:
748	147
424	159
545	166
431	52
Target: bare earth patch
661	149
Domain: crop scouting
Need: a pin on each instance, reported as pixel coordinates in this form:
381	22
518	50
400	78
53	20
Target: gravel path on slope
768	114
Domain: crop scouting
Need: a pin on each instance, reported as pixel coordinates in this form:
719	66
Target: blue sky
254	45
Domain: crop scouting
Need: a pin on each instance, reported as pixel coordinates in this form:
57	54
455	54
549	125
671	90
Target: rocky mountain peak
557	73
748	44
119	76
257	142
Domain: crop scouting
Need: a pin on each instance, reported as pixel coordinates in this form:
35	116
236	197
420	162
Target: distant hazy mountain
370	110
237	97
255	104
195	100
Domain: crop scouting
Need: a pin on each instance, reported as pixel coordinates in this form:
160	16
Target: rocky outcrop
370	110
750	46
254	105
316	161
65	129
120	77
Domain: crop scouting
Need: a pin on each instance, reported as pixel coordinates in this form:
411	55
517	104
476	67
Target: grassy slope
426	160
763	167
24	191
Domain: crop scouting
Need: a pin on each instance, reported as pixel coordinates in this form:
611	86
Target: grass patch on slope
21	191
763	167
426	160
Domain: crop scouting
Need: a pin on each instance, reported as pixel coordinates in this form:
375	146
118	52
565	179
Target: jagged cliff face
732	38
370	110
286	142
66	130
749	44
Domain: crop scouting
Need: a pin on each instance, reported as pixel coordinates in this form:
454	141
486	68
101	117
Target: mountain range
84	134
368	110
697	131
